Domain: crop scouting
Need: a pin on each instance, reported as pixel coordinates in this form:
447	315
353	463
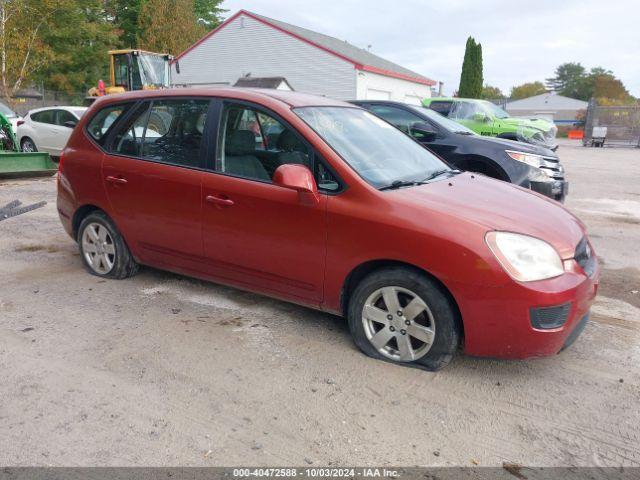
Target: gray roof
547	100
342	48
261	82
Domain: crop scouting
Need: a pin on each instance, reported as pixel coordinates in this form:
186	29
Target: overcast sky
521	41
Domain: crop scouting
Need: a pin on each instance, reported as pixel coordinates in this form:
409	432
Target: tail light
20	122
60	161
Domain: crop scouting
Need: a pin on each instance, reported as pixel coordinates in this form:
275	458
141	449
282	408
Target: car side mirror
299	178
423	131
70	124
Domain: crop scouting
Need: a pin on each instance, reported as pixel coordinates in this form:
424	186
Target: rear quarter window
100	124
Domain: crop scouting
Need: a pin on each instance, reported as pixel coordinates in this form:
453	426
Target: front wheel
399	314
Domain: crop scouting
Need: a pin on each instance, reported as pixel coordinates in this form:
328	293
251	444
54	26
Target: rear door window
398	117
442	107
165	131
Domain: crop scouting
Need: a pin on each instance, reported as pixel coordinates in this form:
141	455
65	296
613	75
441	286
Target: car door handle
116	180
225	202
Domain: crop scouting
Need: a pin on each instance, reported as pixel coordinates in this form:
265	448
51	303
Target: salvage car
530	166
486	118
340	211
48	129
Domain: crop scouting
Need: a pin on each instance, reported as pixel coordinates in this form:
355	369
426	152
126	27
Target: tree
527	90
569	80
572	80
125	15
22	50
608	87
168	26
209	13
489	92
471	76
78	37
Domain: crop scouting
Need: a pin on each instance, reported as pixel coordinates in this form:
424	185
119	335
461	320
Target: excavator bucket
14	163
17	164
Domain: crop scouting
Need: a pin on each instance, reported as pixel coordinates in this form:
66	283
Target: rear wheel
102	248
399	314
28	145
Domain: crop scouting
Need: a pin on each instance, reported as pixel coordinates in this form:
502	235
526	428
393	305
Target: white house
251	45
560	109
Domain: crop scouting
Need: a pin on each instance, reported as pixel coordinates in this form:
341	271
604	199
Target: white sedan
10	115
48	129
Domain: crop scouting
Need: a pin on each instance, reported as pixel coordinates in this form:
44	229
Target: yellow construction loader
133	69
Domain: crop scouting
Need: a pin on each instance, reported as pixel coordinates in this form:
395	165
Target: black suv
529	166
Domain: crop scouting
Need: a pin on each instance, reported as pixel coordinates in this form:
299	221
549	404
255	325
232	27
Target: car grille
553	168
585	258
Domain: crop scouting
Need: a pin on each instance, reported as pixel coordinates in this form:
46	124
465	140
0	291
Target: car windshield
442	121
493	109
377	151
6	111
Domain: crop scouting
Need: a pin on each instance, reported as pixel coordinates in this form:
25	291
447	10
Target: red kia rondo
321	203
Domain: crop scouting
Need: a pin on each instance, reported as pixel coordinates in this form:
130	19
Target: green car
486	118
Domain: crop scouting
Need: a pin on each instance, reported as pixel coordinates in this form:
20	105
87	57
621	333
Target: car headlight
528	158
525	258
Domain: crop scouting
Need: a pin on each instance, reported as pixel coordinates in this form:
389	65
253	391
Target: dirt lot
165	370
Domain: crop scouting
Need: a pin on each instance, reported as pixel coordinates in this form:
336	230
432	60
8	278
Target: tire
103	250
28	145
433	334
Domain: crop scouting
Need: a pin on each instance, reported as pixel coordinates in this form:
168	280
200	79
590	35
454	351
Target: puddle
612	311
615	209
185	293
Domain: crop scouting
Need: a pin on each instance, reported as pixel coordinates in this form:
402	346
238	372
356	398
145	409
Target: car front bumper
498	320
556	189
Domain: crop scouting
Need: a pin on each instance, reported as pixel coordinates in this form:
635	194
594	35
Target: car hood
498	205
533	123
503	143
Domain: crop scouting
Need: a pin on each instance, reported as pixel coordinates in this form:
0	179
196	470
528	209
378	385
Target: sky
522	41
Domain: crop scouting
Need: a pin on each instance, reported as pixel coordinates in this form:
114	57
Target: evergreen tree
471	78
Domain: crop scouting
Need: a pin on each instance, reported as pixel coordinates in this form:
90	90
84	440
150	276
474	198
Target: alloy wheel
398	323
98	248
28	146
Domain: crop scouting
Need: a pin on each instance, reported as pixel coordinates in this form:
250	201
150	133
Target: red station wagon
321	203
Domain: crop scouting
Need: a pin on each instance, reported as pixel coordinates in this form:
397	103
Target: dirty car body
299	197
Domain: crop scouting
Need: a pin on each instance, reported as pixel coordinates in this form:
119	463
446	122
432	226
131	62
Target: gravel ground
165	370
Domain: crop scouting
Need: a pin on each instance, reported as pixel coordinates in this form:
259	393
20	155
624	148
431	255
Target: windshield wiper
411	183
401	183
437	173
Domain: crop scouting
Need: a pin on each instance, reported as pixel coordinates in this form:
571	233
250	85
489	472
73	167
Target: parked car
10	115
486	118
48	129
341	212
530	166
